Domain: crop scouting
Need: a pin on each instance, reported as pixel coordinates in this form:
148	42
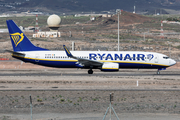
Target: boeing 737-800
24	50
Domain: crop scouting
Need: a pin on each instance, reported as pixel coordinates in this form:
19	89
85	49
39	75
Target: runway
75	72
79	80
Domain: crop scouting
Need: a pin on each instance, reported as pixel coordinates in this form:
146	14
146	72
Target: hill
66	6
128	18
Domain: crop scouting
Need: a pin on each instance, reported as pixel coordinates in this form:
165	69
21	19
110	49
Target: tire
90	72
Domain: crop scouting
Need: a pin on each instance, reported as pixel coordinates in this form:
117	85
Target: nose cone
173	62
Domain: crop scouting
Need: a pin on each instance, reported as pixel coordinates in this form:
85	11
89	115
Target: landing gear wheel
158	72
90	72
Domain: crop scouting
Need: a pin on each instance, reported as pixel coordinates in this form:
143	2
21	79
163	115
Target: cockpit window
165	57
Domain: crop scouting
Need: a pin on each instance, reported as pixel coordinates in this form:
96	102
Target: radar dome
53	20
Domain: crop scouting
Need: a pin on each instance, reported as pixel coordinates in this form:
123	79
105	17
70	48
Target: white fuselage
125	59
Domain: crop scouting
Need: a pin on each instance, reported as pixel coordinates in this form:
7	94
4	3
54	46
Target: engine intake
110	67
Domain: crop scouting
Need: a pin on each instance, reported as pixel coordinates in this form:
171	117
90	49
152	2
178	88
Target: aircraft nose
173	62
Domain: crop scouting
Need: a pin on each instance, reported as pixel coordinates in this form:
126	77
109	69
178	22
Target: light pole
31	105
169	48
118	11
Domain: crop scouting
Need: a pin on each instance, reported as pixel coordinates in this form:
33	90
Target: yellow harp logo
17	38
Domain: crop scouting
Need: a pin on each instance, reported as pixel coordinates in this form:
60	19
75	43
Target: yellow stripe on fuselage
136	63
99	61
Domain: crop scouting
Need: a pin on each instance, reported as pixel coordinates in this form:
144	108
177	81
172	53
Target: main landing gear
90	71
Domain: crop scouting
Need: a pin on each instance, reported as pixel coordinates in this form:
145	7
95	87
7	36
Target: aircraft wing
87	62
83	61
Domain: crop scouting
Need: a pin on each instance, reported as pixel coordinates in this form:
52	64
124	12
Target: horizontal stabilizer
14	53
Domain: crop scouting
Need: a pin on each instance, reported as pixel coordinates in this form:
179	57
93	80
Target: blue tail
19	40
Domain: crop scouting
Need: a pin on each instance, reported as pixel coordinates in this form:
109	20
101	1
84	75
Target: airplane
109	61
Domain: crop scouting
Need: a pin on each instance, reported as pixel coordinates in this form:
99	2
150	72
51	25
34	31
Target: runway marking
89	89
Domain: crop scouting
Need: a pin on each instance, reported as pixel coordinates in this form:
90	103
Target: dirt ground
90	105
71	94
94	116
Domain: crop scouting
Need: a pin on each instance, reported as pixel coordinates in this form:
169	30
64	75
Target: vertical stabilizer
19	40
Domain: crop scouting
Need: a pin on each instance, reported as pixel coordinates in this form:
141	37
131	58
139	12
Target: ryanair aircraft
103	60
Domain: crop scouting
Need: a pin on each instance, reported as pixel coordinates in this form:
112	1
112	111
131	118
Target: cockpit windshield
166	57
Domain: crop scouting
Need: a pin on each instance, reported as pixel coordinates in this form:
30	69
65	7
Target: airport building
53	23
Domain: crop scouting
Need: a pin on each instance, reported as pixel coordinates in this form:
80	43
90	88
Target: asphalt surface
75	72
47	79
19	81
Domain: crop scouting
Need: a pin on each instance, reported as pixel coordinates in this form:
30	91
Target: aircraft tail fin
19	40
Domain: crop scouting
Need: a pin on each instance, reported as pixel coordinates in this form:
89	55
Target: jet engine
110	67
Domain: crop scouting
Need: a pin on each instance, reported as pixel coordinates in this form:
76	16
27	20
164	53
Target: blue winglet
67	51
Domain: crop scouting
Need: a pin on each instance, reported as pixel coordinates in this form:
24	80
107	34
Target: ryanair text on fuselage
124	57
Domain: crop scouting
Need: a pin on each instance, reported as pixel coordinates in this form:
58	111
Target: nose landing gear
158	72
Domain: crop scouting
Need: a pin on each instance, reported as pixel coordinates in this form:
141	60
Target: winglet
67	51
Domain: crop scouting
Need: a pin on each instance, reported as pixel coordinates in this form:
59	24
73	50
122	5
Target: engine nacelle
110	67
